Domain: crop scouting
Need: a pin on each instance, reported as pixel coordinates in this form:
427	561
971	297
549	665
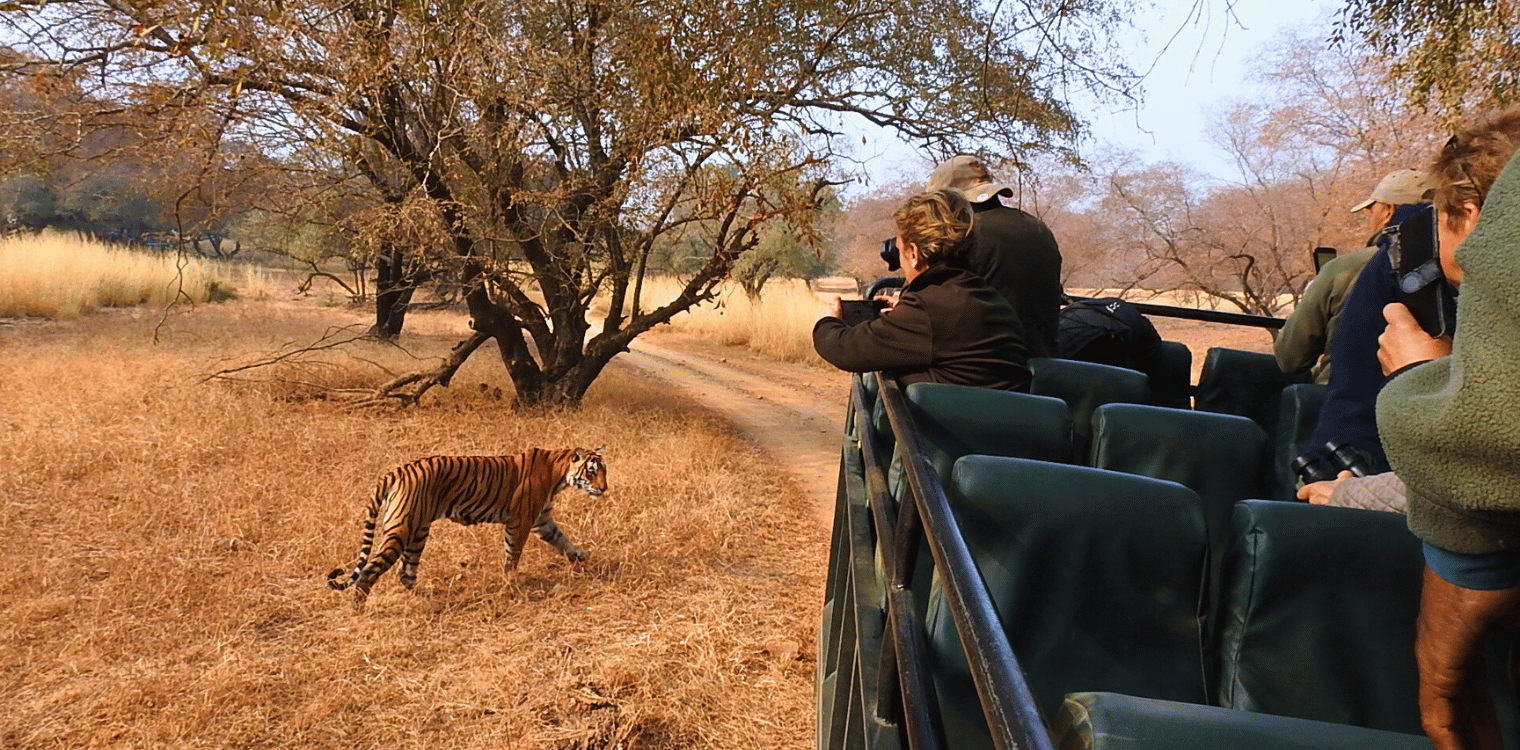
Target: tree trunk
393	293
570	388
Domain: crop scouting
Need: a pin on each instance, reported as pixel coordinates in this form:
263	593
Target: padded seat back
1248	384
959	420
1321	606
1296	417
1085	386
1094	574
1222	457
1172	377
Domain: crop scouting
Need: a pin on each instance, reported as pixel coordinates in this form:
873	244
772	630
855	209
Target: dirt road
793	412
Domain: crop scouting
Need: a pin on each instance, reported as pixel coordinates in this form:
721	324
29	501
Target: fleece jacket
1451	426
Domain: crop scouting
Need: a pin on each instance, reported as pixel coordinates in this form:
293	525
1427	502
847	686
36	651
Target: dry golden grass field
167	542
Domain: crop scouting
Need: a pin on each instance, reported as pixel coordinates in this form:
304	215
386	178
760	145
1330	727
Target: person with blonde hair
948	325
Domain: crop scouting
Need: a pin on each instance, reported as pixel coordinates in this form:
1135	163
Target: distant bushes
62	276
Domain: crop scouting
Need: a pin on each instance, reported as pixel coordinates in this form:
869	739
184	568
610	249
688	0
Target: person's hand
830	308
1318	493
1404	342
889	299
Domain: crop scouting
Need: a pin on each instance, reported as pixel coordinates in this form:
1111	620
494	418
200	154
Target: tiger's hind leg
389	551
411	556
364	549
549	531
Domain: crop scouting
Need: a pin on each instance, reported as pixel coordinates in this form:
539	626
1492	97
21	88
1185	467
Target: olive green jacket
1452	426
1304	340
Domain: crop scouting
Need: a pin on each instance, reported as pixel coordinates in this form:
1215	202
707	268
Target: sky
1197	64
1206	67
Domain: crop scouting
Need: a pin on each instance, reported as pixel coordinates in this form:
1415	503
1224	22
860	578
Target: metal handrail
904	681
1208	316
1012	716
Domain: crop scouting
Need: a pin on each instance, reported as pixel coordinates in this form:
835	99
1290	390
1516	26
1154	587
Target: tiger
514	491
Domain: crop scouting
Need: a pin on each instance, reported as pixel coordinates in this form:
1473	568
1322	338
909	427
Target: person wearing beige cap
1304	343
1014	252
1398	188
1348	414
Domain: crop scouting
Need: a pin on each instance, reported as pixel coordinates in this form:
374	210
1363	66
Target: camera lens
889	254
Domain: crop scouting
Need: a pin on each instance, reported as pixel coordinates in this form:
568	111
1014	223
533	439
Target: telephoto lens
889	253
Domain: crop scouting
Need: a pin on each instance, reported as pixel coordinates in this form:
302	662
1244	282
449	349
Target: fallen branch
409	388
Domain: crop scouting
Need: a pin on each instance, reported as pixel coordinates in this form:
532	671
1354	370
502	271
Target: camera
889	254
1325	463
856	311
1417	264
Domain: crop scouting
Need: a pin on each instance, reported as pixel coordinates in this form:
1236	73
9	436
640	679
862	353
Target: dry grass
779	325
169	540
62	276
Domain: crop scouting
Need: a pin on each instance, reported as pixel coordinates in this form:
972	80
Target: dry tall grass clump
55	275
779	325
169	540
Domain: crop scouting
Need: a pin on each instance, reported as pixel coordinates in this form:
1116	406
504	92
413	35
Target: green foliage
97	203
300	239
1449	54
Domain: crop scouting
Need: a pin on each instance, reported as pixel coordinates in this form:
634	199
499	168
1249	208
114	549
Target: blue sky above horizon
1198	62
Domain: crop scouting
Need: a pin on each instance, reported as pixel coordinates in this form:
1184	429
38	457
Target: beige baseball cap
968	174
1398	188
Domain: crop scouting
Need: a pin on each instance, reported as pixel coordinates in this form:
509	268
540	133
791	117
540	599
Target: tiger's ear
602	451
578	456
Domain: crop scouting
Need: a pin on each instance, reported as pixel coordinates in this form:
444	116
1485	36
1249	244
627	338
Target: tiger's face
588	472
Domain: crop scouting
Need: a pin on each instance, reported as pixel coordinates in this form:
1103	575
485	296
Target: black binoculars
1328	461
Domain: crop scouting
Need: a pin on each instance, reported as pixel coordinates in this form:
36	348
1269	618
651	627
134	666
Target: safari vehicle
1112	563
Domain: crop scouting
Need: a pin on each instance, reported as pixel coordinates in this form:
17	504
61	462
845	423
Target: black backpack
1109	332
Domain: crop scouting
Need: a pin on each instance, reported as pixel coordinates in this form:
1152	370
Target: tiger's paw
333	582
575	554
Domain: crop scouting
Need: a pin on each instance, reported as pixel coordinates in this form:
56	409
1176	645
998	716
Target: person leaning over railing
1450	420
948	325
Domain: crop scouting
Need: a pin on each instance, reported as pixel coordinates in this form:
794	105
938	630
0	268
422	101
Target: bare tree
557	142
864	223
1329	129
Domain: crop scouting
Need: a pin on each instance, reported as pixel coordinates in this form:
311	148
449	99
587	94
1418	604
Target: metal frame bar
1208	316
1012	716
875	690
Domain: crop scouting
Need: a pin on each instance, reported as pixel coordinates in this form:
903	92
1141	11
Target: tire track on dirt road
794	413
